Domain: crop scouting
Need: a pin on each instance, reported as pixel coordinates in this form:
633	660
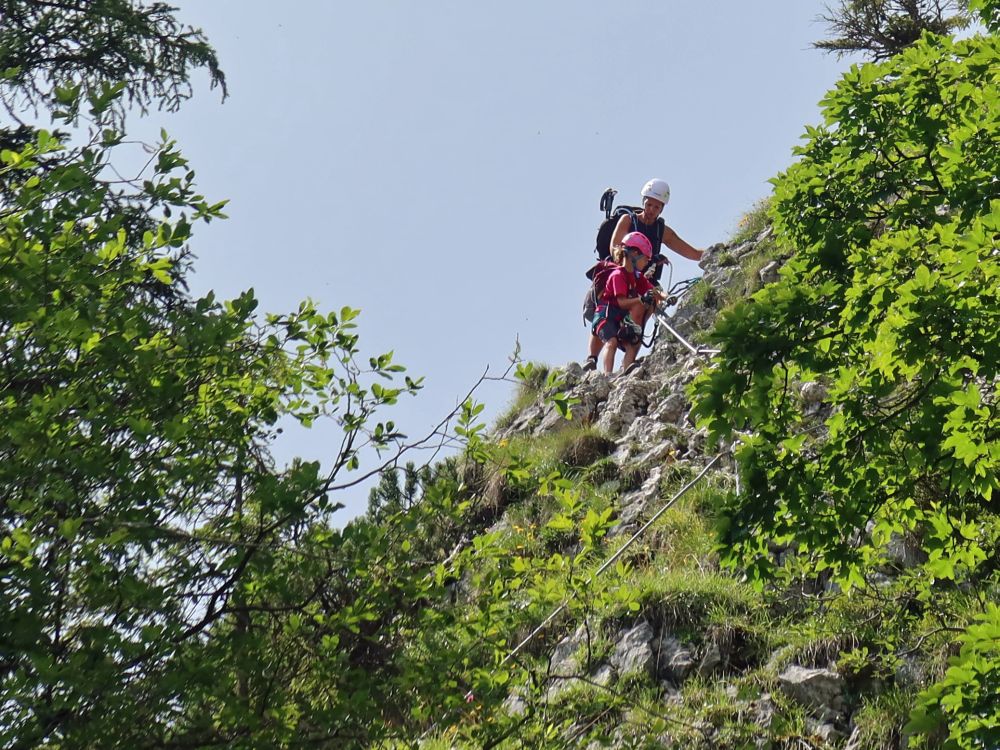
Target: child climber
627	301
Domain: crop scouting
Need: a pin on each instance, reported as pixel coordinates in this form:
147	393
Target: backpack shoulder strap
630	212
623	210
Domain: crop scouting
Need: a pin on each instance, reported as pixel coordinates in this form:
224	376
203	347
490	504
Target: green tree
892	301
164	583
53	50
880	29
966	698
389	496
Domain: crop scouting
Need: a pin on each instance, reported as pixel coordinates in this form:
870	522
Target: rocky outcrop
644	420
675	659
821	691
633	654
641	649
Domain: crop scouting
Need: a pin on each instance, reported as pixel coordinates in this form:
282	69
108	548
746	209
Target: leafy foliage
166	584
391	497
891	304
58	54
144	530
883	28
966	698
890	301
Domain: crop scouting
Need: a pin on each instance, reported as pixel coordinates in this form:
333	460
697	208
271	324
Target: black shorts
609	324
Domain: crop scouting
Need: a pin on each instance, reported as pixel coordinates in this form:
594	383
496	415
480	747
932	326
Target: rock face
634	504
905	552
819	690
769	273
813	394
633	653
711	660
565	662
564	656
640	650
624	406
643	417
654	394
675	660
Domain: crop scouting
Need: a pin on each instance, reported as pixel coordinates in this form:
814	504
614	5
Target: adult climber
655	195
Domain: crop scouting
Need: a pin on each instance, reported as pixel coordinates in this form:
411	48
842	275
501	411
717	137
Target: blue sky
438	165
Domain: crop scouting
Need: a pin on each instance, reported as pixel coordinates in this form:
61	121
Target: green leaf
560	523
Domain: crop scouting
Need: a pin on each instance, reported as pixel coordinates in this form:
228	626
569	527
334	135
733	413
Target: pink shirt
622	284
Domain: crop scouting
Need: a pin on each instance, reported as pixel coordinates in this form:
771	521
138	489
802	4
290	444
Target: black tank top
653	233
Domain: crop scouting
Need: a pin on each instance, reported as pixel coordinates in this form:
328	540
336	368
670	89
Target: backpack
598	275
602	246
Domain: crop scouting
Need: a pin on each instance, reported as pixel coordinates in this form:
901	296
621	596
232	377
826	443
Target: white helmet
658	189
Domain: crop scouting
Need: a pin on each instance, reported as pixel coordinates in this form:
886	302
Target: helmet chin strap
636	273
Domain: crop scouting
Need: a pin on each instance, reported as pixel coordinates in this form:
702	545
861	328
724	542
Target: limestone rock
743	249
710	256
633	653
672	695
515	705
905	551
590	390
660	361
812	392
565	661
572	372
634	504
671	409
821	690
647	441
604	675
624	405
523	422
675	659
769	273
711	660
813	395
826	731
564	656
696	444
763	709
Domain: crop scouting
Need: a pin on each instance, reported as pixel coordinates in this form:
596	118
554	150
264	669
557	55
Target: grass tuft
528	392
752	222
